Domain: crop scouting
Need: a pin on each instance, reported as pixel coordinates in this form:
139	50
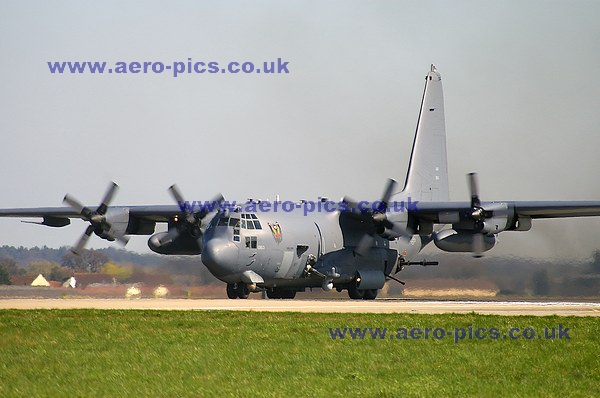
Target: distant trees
4	276
11	266
87	261
118	271
51	270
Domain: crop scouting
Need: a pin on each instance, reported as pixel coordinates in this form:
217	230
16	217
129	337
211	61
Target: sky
520	86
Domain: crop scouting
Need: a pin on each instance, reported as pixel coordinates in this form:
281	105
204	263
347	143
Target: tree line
512	275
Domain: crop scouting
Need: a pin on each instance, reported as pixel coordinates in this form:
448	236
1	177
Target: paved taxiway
377	306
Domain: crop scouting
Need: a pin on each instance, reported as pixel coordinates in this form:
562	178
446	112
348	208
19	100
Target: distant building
29	280
71	282
21	280
40	281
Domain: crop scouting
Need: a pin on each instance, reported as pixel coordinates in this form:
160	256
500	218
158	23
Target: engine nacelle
450	240
183	244
501	220
119	222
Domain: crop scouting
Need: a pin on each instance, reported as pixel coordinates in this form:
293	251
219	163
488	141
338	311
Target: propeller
377	221
96	218
190	221
478	214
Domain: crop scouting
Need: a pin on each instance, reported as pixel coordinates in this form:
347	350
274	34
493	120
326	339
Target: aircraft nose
220	256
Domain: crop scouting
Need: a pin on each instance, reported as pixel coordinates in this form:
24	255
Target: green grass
214	353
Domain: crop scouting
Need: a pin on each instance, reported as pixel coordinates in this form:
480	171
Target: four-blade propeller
377	220
478	215
96	218
190	220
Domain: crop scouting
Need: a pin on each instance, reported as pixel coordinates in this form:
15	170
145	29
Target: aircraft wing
447	212
154	213
557	209
116	222
111	223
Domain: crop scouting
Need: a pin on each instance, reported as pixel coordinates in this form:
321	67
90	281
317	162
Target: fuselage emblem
276	230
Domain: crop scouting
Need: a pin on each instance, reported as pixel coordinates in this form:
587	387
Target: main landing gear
237	290
365	294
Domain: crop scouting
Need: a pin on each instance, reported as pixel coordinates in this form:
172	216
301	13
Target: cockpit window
247	221
251	242
250	221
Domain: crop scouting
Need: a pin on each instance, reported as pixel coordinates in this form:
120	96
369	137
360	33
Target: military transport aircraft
356	247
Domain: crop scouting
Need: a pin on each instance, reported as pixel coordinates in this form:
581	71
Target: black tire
289	294
274	293
243	291
232	292
355	294
370	294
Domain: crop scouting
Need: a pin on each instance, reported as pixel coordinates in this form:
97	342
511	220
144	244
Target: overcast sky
520	82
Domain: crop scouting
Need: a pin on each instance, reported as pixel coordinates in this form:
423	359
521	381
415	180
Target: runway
347	306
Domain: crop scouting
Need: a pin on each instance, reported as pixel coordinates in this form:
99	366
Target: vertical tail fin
427	178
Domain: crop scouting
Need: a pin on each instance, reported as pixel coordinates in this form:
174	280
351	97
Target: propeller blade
351	204
364	245
400	231
474	188
389	190
353	210
176	194
83	240
122	239
108	197
218	198
199	215
74	203
478	244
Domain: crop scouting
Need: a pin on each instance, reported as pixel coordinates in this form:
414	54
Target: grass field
172	354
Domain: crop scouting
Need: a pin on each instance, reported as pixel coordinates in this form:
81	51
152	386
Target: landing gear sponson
240	290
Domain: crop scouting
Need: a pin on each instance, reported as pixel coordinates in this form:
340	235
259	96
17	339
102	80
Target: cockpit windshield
236	220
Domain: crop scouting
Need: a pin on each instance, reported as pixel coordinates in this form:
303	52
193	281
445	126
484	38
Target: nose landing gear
237	290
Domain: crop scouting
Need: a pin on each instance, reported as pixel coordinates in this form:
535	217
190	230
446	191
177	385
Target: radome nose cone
220	256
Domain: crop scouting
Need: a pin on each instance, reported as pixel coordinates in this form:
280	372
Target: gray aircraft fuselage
277	246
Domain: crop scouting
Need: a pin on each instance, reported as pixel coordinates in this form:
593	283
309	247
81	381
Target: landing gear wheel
243	291
274	293
355	294
237	290
289	294
232	291
370	294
